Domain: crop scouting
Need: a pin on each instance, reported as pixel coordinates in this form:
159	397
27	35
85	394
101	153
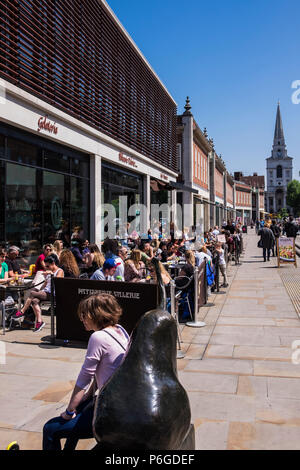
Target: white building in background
279	170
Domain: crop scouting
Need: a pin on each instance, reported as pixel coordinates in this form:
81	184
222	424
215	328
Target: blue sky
235	59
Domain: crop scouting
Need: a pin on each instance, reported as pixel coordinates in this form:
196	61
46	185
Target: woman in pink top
105	352
40	262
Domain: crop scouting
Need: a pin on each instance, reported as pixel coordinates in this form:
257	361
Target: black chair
185	292
7	311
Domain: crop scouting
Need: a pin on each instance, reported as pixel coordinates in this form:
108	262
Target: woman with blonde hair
94	259
134	267
190	258
166	278
58	247
68	264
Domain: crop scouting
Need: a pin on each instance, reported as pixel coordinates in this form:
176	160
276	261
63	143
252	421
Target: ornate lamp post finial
188	106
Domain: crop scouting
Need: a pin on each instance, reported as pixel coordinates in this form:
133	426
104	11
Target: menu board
286	251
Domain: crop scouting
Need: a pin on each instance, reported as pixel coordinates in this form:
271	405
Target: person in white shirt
216	231
107	272
201	254
222	263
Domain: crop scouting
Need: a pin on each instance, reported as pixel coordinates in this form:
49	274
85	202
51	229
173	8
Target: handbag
260	244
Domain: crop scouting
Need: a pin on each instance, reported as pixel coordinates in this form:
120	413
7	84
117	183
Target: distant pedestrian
222	263
291	228
276	231
267	241
257	226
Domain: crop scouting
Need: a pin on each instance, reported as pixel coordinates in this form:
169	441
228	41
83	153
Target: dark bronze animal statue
144	406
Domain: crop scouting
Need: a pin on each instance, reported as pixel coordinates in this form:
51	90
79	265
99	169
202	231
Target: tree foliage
293	196
283	213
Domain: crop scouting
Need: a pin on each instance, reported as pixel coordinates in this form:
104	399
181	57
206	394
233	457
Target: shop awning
182	187
157	185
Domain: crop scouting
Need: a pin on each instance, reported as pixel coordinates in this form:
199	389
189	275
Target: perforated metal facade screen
75	56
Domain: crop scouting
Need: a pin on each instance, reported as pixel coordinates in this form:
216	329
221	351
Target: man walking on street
276	231
291	228
267	241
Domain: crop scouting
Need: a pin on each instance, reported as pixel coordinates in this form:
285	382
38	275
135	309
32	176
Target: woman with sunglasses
40	262
36	296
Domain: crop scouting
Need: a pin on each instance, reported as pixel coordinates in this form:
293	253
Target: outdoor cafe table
20	288
174	268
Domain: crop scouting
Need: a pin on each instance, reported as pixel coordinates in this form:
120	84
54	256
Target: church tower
279	170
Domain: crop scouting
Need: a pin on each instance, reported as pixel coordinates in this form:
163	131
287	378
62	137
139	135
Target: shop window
79	204
117	183
80	167
2	203
2	145
23	211
22	152
56	161
55	204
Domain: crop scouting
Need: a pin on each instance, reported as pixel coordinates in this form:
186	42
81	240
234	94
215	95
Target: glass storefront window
2	144
23	210
79	202
22	152
38	205
79	167
55	201
2	202
56	161
117	183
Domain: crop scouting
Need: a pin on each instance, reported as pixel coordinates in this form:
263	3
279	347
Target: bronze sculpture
144	406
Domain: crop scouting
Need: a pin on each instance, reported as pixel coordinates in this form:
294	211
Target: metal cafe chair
185	292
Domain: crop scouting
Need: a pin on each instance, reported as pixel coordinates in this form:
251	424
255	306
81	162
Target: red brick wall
219	184
200	166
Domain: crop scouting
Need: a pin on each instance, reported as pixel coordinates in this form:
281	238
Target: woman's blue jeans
73	430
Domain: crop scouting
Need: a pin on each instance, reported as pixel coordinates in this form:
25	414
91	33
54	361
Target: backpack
210	277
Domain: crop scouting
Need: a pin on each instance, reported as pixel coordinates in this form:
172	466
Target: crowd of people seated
127	259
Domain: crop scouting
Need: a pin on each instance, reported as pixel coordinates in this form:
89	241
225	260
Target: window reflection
21	203
39	200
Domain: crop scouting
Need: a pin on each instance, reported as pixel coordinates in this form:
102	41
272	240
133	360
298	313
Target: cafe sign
286	251
128	160
46	125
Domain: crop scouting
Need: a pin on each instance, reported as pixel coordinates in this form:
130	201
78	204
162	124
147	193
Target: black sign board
135	299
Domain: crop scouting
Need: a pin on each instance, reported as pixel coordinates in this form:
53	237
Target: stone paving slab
243	388
209	382
246	339
257	436
262	353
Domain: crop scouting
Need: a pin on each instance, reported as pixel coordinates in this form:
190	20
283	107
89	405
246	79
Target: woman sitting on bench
105	352
36	296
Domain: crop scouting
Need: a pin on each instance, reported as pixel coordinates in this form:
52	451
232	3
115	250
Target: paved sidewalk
245	392
243	387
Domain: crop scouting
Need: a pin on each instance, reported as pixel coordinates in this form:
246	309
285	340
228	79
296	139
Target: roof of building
256	181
